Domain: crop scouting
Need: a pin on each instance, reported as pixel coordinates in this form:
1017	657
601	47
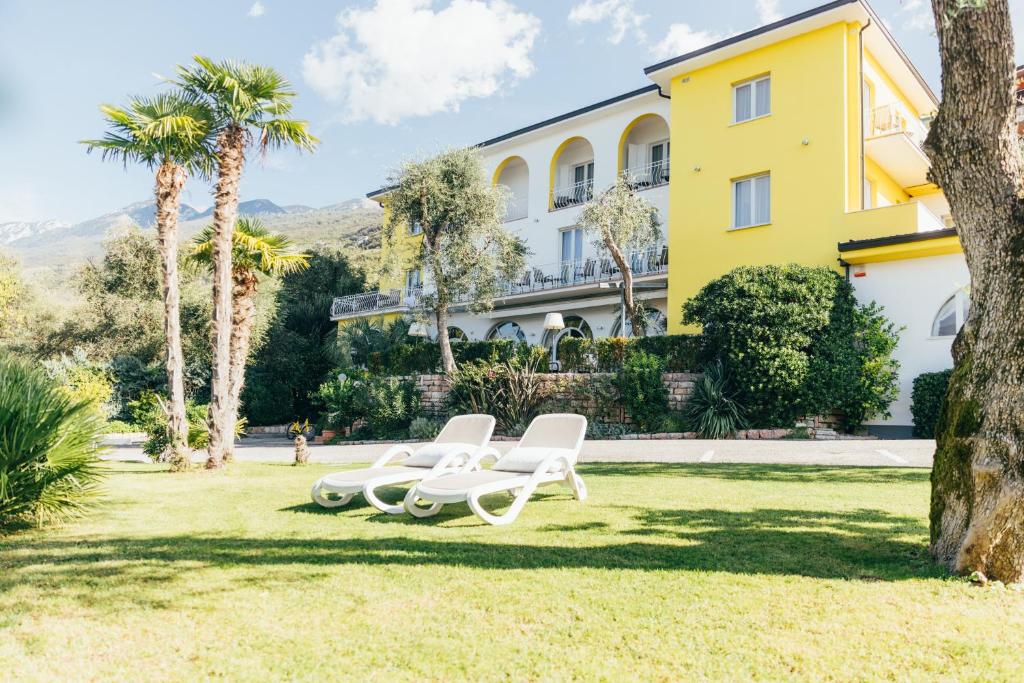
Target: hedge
927	396
679	353
424	357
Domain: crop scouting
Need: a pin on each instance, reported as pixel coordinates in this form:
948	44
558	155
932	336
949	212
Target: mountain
253	207
144	213
12	232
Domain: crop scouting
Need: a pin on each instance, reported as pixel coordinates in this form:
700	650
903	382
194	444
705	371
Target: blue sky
377	79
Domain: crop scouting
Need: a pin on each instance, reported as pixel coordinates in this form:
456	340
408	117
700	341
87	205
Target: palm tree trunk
230	161
629	303
977	507
170	178
243	319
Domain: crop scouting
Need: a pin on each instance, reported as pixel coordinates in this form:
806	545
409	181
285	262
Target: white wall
912	291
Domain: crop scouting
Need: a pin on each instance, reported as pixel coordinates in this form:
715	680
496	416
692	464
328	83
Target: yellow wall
811	184
884	186
407	246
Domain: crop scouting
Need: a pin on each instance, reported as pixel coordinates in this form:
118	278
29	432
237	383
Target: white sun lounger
463	439
546	454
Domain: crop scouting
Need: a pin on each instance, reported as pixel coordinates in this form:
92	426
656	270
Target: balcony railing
895	118
572	195
652	260
516	210
650	175
370	302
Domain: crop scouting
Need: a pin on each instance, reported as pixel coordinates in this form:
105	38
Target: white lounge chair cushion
349	477
470	480
528	459
431	454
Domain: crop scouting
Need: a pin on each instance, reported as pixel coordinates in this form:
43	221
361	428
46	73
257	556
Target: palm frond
254	248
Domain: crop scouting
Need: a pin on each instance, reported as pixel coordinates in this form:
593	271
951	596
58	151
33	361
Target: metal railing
649	175
516	210
572	195
652	260
895	118
356	304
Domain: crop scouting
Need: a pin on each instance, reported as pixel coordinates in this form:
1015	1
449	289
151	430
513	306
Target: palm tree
255	251
250	102
173	134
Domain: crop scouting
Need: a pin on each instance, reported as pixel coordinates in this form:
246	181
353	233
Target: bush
148	415
681	352
796	343
644	394
48	448
387	405
425	428
610	353
512	392
928	394
337	399
81	380
712	412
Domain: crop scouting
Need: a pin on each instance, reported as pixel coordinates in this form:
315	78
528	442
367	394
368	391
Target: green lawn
667	572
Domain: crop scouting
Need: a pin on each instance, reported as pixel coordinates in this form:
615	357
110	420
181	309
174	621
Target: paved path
916	453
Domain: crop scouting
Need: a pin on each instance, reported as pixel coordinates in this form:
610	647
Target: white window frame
961	300
577	239
415	228
753	201
650	151
413	279
753	98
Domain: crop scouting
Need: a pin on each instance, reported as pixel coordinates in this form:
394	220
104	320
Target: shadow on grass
772	473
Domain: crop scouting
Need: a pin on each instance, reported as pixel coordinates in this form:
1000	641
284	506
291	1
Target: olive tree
977	507
619	221
466	254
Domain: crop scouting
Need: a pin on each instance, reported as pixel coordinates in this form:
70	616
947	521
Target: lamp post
417	329
554	322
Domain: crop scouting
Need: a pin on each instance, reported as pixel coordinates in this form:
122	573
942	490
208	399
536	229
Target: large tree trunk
441	313
170	178
230	160
243	319
977	509
633	312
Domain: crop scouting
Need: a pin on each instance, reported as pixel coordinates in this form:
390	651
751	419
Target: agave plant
48	448
712	411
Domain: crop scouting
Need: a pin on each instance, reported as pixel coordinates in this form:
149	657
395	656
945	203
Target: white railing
652	260
357	304
516	210
927	220
648	175
896	118
572	195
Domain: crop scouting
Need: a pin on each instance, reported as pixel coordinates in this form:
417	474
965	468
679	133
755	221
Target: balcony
371	303
894	143
897	219
572	195
647	176
896	118
650	261
516	210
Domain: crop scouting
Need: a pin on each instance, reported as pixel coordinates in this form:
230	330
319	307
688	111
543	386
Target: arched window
507	330
952	315
572	174
575	326
644	152
514	174
456	334
657	325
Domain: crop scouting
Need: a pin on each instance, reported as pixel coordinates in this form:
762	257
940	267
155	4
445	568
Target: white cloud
917	15
257	10
401	58
768	11
681	38
621	14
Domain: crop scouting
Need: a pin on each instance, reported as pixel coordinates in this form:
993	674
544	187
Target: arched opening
644	152
507	330
514	174
952	315
575	327
457	334
657	325
572	174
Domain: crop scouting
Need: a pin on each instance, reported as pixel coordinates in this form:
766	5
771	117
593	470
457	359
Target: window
952	315
659	162
869	194
751	201
572	245
457	334
583	173
507	330
413	280
415	228
752	99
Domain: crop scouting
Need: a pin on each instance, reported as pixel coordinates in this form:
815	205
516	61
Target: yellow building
789	139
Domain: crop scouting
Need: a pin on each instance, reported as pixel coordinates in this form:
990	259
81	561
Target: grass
668	572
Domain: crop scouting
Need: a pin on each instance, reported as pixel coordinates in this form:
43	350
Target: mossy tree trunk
977	510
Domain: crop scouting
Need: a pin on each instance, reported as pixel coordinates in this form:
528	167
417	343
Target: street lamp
553	321
417	329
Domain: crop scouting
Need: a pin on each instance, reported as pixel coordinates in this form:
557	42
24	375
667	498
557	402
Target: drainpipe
863	123
662	94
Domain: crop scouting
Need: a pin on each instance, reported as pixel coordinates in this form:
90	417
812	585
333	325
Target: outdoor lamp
417	329
553	321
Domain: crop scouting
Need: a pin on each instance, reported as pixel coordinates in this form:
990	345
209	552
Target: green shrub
82	380
337	400
48	448
387	405
573	352
425	428
681	352
149	415
927	396
712	411
796	343
610	353
512	392
643	393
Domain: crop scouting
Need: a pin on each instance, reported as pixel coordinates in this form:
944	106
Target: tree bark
170	178
243	319
977	506
632	312
230	161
